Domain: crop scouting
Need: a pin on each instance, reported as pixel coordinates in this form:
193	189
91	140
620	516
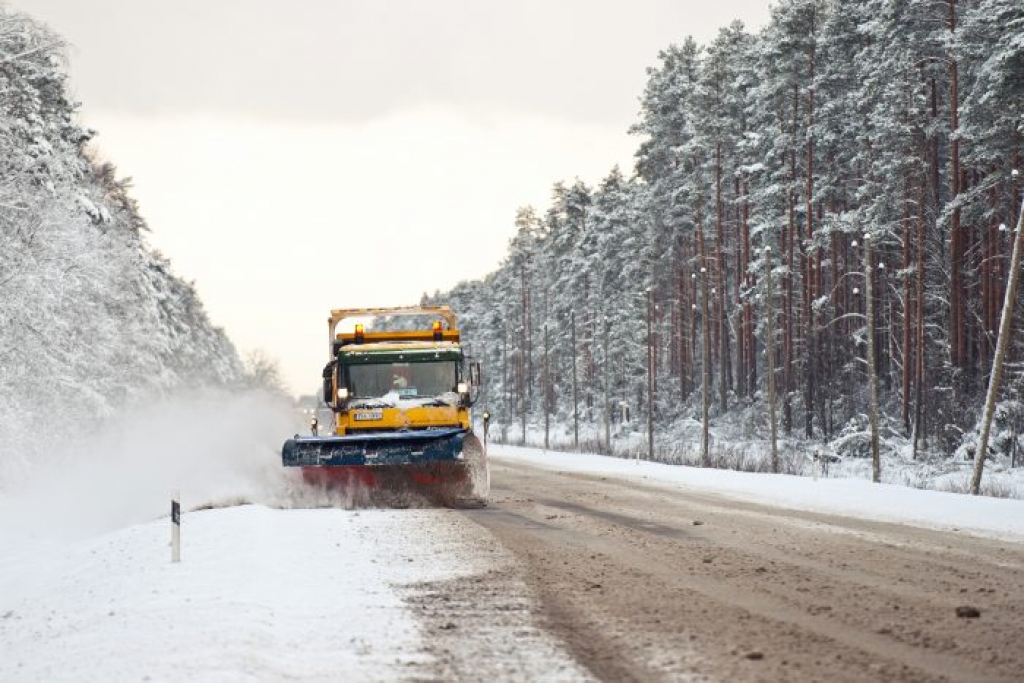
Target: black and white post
175	526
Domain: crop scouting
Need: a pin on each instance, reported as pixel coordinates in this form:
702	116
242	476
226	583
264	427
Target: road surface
653	583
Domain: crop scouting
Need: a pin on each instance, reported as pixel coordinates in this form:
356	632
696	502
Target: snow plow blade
447	465
374	449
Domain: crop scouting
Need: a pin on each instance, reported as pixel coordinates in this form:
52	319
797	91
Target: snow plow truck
401	402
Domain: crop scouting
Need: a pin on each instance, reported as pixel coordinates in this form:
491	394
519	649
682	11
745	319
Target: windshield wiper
435	402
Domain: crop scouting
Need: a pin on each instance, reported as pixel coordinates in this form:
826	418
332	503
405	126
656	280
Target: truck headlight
343	393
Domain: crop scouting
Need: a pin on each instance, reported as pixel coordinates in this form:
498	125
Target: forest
851	158
92	320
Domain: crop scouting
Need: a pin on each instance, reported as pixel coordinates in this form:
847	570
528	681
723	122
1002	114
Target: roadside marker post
175	526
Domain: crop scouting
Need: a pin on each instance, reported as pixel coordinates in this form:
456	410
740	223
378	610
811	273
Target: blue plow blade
376	448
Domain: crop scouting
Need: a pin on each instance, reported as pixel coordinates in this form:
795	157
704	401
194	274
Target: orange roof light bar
449	332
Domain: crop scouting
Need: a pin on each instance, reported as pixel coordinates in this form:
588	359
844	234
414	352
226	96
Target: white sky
293	157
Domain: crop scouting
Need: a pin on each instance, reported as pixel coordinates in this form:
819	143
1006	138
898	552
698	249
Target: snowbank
997	517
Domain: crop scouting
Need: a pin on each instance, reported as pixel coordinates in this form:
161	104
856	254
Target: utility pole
607	393
869	312
575	392
1001	343
770	352
650	375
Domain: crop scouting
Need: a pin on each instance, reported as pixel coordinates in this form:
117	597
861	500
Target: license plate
368	415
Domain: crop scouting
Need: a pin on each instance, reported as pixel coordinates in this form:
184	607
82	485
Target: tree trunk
810	335
705	370
505	386
907	353
748	307
869	313
739	273
721	332
919	319
787	316
575	390
956	312
1001	345
650	375
607	393
770	354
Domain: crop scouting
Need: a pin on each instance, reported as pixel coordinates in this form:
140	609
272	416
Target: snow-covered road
668	579
556	580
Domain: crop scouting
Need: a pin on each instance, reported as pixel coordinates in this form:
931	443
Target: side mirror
328	376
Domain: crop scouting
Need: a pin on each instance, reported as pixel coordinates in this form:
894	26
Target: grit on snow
275	585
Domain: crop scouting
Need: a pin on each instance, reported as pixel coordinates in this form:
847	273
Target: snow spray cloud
216	448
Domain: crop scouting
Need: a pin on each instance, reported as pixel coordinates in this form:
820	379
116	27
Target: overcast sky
302	155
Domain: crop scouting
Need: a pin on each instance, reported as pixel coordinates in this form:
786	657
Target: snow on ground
738	442
260	594
272	591
294	586
996	517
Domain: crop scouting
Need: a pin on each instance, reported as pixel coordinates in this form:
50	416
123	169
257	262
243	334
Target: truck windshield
406	380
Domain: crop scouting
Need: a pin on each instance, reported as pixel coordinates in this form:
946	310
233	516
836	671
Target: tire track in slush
644	583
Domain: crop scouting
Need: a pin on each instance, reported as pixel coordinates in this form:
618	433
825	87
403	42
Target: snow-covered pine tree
838	118
91	320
